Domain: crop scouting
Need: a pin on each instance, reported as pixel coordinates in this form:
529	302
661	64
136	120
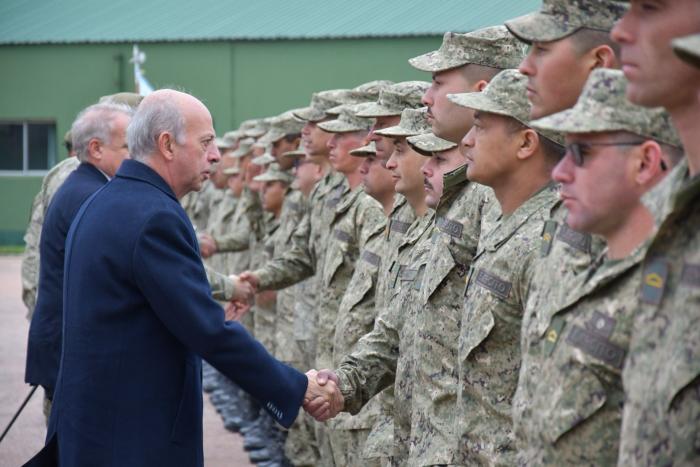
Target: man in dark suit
99	139
138	311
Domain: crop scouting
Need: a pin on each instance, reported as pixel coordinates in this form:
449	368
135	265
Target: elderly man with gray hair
99	139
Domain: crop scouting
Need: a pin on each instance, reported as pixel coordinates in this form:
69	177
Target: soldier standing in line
506	154
616	152
661	417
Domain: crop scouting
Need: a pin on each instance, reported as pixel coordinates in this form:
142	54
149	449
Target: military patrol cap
603	107
365	151
223	143
688	49
234	135
347	121
505	95
558	19
68	138
493	46
298	152
275	174
281	126
364	93
232	171
429	144
413	122
320	102
127	98
395	98
244	148
264	159
260	128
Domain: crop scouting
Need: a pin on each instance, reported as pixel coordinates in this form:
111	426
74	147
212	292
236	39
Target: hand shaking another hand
323	399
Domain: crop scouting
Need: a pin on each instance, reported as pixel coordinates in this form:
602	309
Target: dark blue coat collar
139	171
89	169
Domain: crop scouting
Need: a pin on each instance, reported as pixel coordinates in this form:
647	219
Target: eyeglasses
578	150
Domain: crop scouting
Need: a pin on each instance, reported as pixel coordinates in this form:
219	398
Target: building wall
236	80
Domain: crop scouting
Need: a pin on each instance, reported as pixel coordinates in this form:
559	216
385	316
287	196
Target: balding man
138	311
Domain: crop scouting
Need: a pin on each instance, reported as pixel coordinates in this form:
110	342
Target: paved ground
221	448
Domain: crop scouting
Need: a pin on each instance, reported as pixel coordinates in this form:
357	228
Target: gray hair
95	122
152	118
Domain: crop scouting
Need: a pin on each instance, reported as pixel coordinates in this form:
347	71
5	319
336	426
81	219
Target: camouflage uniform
30	260
200	212
497	288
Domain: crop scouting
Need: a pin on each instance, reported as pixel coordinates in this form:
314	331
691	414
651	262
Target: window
27	146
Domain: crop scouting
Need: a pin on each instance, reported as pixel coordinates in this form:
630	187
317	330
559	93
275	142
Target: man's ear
165	145
529	143
480	85
94	149
648	161
603	57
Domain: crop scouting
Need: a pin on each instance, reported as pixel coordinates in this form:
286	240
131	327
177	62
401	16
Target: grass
11	250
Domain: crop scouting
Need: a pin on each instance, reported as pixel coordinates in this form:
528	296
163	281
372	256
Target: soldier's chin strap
19	411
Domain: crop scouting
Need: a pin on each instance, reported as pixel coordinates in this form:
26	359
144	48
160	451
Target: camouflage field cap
395	98
275	174
320	102
127	98
223	143
68	137
260	128
244	148
232	171
493	46
603	107
234	135
264	159
365	151
364	93
688	49
281	126
413	122
298	152
347	121
505	95
429	144
560	18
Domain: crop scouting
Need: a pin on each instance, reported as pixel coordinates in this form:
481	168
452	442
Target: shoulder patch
654	280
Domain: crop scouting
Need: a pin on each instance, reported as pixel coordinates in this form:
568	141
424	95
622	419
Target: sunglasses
579	150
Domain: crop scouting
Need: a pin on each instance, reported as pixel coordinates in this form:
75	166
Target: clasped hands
323	399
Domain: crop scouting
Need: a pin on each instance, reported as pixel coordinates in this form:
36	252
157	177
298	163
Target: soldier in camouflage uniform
565	35
460	65
502	152
661	376
573	393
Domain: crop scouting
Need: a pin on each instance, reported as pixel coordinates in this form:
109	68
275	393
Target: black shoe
253	442
259	455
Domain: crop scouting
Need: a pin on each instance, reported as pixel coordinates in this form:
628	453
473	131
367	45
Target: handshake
244	293
323	399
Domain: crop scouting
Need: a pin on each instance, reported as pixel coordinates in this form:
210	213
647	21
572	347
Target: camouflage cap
275	174
413	122
68	137
493	46
234	135
244	147
281	126
428	143
260	128
347	121
688	49
560	18
364	93
365	151
505	95
320	102
232	171
395	98
223	143
127	98
603	107
298	152
264	159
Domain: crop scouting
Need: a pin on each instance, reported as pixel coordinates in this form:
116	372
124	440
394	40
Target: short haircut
153	118
553	152
95	122
585	40
475	73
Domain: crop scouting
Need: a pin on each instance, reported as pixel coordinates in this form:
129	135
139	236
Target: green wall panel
236	80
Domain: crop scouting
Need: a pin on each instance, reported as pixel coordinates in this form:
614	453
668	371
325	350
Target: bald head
163	111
